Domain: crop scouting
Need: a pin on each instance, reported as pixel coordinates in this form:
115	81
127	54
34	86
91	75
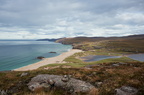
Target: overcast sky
34	19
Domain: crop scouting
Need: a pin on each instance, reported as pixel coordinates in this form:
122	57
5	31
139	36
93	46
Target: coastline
46	61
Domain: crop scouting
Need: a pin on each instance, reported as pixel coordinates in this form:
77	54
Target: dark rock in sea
24	74
52	52
66	83
40	57
126	90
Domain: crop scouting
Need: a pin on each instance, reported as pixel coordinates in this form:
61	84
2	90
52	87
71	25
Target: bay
15	54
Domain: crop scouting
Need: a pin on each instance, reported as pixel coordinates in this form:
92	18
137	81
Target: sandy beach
46	61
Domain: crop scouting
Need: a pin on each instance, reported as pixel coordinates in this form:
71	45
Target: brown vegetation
110	76
129	44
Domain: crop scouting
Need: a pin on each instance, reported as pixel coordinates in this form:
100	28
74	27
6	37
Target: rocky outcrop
65	82
126	90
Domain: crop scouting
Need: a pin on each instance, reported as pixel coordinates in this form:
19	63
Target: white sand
46	61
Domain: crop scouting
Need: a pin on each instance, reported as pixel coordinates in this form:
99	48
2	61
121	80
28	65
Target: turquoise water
15	54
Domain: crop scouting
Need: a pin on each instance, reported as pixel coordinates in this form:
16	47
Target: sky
38	19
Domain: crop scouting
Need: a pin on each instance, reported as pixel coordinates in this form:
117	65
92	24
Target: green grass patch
80	63
51	65
72	59
73	65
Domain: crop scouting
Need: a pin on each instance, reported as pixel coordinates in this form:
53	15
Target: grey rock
115	65
51	82
126	90
65	78
118	64
94	73
24	74
64	82
3	92
34	86
98	84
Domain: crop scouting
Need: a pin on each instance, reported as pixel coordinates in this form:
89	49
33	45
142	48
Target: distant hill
76	40
52	40
132	43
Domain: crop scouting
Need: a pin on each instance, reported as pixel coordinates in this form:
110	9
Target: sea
18	53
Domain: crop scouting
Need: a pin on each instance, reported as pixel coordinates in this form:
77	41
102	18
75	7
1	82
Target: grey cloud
102	6
59	18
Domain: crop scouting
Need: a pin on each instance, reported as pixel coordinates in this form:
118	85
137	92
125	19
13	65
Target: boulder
65	82
3	92
126	90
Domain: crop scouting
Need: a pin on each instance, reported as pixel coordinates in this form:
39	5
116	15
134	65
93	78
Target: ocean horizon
18	53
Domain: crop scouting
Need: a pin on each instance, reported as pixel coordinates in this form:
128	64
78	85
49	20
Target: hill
53	40
75	40
131	44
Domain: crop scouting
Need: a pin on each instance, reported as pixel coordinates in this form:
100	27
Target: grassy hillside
111	76
128	44
76	40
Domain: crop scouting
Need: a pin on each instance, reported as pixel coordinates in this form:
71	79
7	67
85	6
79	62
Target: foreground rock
126	90
2	92
71	85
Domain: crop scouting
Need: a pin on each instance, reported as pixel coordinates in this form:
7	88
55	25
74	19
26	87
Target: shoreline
46	61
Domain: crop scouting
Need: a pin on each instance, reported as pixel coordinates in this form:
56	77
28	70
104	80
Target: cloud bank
35	19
